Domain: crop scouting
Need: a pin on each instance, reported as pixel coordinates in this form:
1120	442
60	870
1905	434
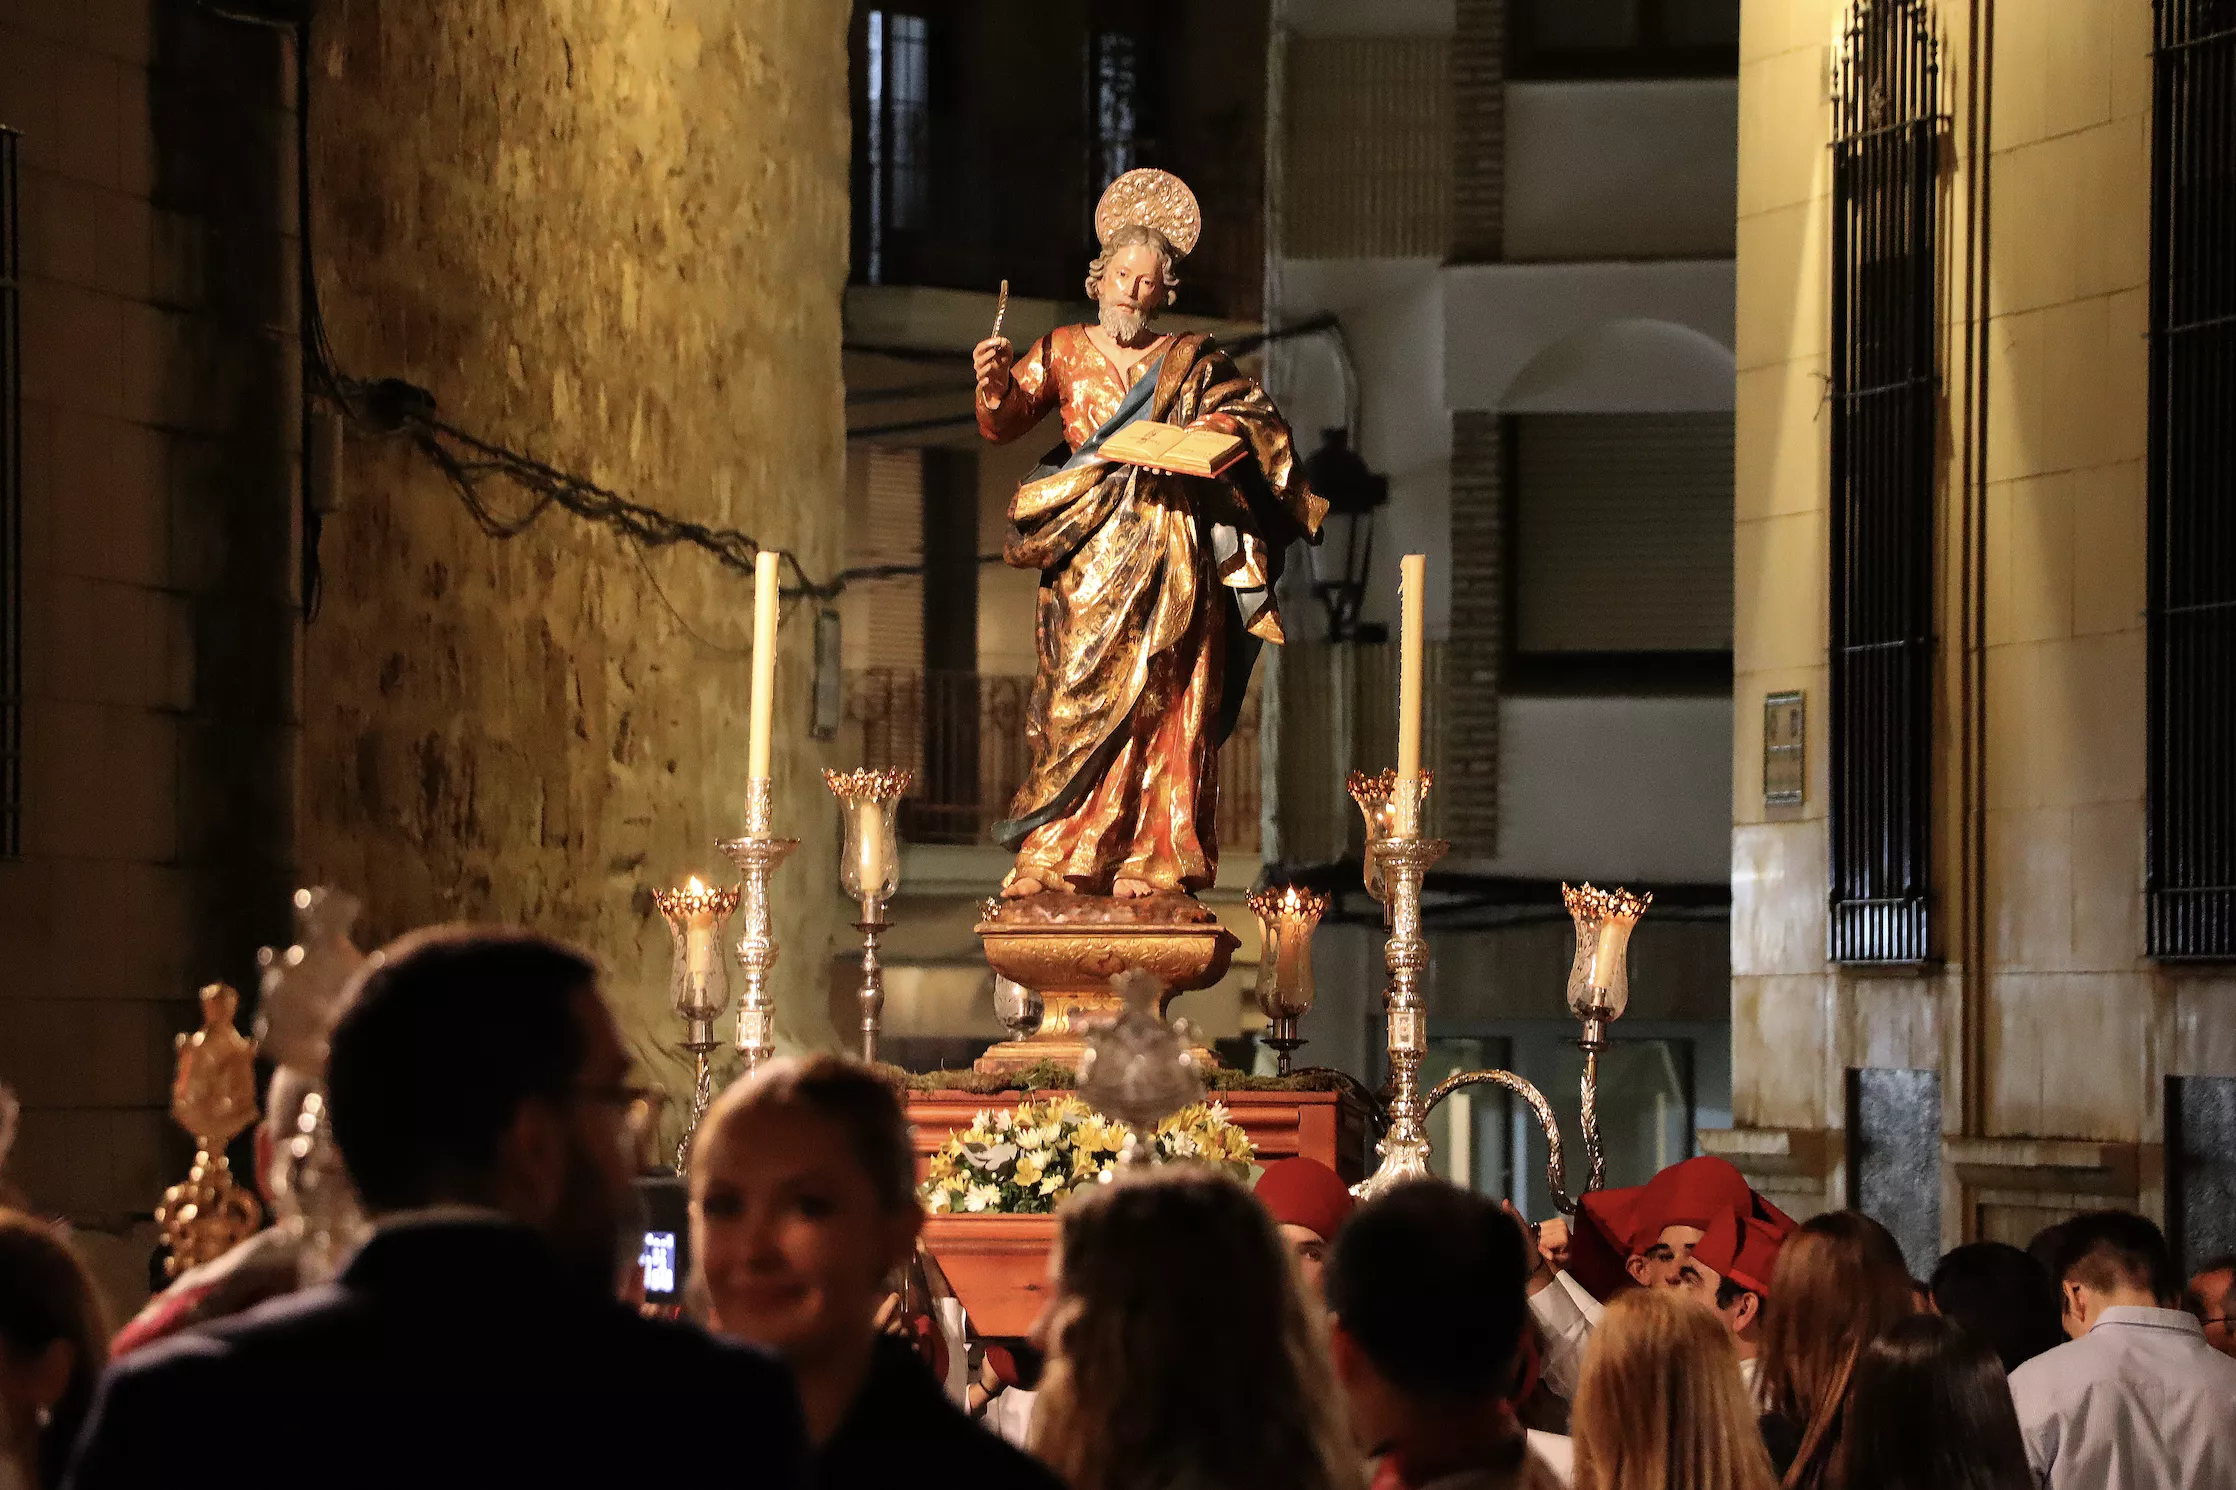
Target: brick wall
1468	782
1478	129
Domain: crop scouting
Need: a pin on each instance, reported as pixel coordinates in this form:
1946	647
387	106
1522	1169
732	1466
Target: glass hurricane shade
870	856
1286	920
1599	979
1376	796
698	978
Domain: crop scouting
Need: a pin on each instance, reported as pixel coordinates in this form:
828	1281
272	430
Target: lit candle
764	662
698	929
1412	580
870	848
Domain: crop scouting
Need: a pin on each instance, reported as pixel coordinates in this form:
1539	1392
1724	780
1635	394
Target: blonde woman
803	1205
1181	1352
1661	1405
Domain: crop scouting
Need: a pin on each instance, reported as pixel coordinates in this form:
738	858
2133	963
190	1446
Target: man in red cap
1648	1235
1729	1269
1309	1203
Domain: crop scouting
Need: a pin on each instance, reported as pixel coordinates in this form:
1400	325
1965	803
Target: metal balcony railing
963	734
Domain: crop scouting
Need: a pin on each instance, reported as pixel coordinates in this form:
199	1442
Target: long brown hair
46	1295
1661	1405
1931	1410
1840	1284
1180	1349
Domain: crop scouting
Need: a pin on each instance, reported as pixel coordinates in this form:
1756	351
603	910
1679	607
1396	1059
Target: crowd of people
1682	1335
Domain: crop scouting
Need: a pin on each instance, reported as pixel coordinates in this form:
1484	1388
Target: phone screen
658	1260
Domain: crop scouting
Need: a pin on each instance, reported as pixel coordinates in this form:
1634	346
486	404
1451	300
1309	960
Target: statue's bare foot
1019	888
1127	888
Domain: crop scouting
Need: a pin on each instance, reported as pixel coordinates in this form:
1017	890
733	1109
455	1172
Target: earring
44	1415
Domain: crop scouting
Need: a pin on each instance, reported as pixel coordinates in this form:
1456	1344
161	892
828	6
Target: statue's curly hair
1126	237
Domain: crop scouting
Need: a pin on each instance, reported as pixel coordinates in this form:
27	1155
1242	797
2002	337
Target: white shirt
1557	1452
2140	1402
1565	1315
1009	1416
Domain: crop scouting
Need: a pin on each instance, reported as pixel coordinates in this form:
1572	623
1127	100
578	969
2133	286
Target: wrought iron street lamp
1344	559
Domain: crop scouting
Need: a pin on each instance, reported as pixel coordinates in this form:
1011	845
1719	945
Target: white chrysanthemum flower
981	1197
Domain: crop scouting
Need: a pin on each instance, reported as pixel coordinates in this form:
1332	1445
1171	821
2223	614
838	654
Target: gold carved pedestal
213	1098
1067	948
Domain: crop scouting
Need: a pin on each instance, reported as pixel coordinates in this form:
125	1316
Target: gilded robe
1155	590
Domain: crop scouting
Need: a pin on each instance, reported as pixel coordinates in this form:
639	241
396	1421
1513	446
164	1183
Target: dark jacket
447	1354
904	1431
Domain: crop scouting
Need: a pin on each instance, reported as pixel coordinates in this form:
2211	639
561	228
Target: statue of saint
1155	587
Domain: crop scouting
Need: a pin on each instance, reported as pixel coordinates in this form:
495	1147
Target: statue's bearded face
1131	290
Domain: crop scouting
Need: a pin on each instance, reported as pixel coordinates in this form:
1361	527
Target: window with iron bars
11	502
1886	126
2191	641
897	79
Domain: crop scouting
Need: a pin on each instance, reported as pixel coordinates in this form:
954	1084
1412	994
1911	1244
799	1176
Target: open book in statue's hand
1172	447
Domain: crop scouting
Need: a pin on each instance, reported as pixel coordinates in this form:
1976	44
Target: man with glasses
479	1095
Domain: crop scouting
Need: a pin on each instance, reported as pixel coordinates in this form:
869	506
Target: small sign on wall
1783	728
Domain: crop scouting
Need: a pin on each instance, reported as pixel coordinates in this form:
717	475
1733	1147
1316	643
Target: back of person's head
1930	1409
54	1334
2111	1252
446	1035
1180	1348
1840	1283
2001	1296
1427	1281
1661	1402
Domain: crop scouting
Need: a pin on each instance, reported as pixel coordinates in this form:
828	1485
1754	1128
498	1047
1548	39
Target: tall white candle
1412	580
764	661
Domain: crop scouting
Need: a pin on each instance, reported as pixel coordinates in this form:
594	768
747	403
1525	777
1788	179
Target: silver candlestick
1404	1145
870	871
1598	992
757	854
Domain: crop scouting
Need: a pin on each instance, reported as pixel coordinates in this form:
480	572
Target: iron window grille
2191	630
1885	159
898	82
1113	107
11	502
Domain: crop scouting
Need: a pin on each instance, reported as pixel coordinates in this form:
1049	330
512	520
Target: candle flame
695	887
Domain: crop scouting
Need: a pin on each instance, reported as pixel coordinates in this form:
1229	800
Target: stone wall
612	236
159	608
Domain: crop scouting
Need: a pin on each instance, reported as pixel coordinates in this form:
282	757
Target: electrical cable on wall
387	407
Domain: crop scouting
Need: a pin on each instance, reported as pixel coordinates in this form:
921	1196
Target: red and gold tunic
1142	627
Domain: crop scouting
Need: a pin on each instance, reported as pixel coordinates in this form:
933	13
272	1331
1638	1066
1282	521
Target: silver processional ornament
1137	1069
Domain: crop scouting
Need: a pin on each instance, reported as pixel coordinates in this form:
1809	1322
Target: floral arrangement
1023	1161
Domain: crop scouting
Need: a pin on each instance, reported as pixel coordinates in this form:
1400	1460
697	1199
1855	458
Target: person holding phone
803	1205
